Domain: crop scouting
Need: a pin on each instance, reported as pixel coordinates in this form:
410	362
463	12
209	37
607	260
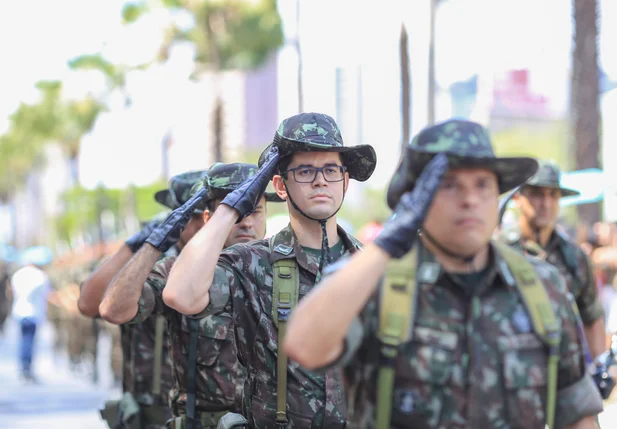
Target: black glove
400	231
245	197
168	233
138	239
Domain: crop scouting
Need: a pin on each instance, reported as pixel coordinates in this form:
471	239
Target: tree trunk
405	86
584	98
217	129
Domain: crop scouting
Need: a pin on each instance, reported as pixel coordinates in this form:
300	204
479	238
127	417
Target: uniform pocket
216	360
524	359
424	372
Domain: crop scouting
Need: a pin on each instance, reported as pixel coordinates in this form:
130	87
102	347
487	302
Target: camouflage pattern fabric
549	176
137	340
318	132
242	287
180	191
474	360
583	287
467	145
220	377
222	178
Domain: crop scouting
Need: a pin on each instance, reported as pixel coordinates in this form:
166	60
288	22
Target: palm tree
584	99
227	35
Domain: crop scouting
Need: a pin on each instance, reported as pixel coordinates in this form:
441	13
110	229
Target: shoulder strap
543	317
159	330
396	316
285	290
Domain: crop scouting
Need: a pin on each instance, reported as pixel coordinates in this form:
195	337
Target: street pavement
61	399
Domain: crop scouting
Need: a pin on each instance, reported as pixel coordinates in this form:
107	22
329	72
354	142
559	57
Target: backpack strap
542	315
396	316
285	290
159	330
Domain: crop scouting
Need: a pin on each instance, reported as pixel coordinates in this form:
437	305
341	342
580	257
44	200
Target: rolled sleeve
577	401
220	291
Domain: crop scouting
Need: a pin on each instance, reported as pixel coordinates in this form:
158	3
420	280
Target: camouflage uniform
138	339
474	359
219	376
242	287
560	250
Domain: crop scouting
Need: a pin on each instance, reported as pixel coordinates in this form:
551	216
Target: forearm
317	328
121	298
191	276
595	336
93	288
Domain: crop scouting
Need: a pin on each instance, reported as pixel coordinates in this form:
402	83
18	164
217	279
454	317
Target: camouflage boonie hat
180	190
468	145
317	132
549	176
222	178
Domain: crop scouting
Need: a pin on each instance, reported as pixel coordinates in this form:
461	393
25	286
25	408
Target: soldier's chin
320	212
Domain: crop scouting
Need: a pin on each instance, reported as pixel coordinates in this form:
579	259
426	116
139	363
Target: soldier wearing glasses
310	169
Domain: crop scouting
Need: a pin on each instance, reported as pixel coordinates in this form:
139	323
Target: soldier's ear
279	186
207	215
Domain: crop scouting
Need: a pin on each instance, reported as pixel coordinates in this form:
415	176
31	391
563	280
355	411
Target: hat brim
565	192
511	171
359	160
165	198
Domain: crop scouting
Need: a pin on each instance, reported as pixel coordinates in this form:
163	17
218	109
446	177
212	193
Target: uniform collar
285	245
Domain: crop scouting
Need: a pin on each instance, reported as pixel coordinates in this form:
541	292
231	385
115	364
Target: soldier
259	282
208	379
537	234
147	377
463	332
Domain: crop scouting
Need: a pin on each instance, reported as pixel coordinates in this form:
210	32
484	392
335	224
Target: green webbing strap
542	315
396	316
191	375
159	330
284	298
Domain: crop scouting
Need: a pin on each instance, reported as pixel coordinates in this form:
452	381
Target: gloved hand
399	232
245	197
138	239
168	233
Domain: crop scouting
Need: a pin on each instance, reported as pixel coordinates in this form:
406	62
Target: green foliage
113	73
83	207
538	139
131	12
232	34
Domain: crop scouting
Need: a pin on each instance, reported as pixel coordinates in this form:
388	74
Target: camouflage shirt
219	376
242	286
579	279
473	360
138	340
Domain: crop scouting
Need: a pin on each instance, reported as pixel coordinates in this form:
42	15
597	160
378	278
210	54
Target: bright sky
37	37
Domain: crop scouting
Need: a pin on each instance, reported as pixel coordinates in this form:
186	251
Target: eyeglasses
331	173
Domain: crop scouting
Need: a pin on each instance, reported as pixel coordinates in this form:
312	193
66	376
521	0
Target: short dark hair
284	165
